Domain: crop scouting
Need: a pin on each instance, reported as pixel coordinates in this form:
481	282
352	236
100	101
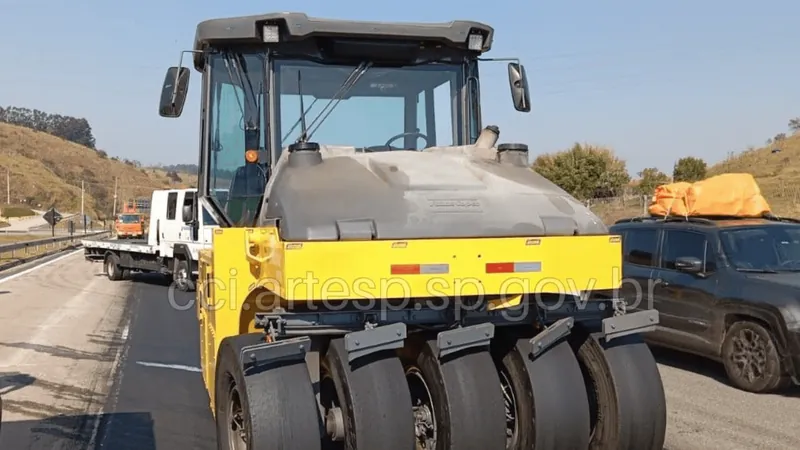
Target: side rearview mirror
173	92
187	214
518	82
689	264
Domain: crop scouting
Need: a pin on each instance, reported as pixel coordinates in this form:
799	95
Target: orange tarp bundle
730	194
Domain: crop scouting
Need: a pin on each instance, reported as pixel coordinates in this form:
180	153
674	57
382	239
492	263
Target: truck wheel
367	403
183	276
113	270
626	395
273	407
457	400
751	358
546	404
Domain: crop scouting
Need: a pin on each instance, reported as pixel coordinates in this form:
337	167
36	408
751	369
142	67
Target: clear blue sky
654	80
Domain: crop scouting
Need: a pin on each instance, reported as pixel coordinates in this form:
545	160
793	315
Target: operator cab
273	80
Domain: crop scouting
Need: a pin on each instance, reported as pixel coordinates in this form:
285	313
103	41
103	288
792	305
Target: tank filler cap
304	147
513	154
304	154
512	147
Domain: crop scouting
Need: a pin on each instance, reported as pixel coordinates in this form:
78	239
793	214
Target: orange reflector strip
416	269
500	268
510	267
405	269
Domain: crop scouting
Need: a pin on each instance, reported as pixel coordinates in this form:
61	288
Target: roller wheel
751	358
274	409
457	401
366	403
113	270
626	394
551	384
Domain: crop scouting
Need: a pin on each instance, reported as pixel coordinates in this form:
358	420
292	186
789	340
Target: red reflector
405	269
500	267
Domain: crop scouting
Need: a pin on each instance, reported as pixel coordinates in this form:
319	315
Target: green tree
794	125
585	171
650	179
689	169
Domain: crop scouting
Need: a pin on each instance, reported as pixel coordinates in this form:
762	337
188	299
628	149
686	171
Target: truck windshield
769	248
129	218
383	109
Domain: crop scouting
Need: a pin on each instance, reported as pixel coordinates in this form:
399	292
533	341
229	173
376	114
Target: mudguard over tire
625	391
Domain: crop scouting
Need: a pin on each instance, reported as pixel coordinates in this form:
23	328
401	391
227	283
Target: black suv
727	289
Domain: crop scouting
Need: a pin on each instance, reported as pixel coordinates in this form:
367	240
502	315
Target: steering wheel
387	146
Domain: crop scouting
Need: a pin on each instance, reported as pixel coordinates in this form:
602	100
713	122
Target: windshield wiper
251	124
348	84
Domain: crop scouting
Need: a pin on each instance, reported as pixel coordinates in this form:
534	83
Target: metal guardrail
52	240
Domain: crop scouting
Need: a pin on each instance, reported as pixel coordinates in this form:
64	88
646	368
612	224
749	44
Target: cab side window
639	247
682	244
172	205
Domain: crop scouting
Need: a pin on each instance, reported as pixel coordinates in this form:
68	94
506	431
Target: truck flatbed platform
96	248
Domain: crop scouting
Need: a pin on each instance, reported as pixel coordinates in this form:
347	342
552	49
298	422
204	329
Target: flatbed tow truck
365	293
176	234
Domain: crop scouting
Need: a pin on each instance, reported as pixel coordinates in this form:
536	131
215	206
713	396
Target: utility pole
83	216
114	212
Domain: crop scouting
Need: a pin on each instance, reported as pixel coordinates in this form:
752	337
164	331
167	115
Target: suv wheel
751	358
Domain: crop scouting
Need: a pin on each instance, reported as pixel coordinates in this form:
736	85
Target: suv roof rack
694	219
705	220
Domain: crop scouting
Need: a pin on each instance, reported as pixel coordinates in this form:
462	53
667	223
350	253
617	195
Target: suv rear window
639	246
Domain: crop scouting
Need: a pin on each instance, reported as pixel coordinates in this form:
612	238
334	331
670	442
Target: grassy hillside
777	173
46	170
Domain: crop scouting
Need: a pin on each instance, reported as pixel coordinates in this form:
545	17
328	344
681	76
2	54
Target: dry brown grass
47	170
778	175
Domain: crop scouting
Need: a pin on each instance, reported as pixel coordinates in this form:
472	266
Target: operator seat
247	189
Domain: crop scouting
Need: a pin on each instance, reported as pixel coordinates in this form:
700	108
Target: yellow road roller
385	273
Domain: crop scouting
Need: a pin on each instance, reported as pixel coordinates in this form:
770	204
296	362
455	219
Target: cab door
640	252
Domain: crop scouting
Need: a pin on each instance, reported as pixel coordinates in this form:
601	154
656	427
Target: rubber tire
774	380
188	286
623	379
374	398
278	402
467	397
115	274
551	384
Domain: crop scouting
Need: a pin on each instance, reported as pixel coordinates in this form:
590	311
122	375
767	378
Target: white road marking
169	366
122	351
37	267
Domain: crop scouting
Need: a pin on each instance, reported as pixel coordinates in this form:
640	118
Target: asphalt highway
87	363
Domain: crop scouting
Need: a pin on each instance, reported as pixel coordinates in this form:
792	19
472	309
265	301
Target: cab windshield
370	108
773	248
383	109
129	218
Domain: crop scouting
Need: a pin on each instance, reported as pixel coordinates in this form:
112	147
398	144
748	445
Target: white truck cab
179	228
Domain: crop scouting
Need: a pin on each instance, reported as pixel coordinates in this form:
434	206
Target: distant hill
776	168
46	170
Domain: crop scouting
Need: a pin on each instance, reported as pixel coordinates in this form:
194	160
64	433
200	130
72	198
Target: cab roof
296	26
